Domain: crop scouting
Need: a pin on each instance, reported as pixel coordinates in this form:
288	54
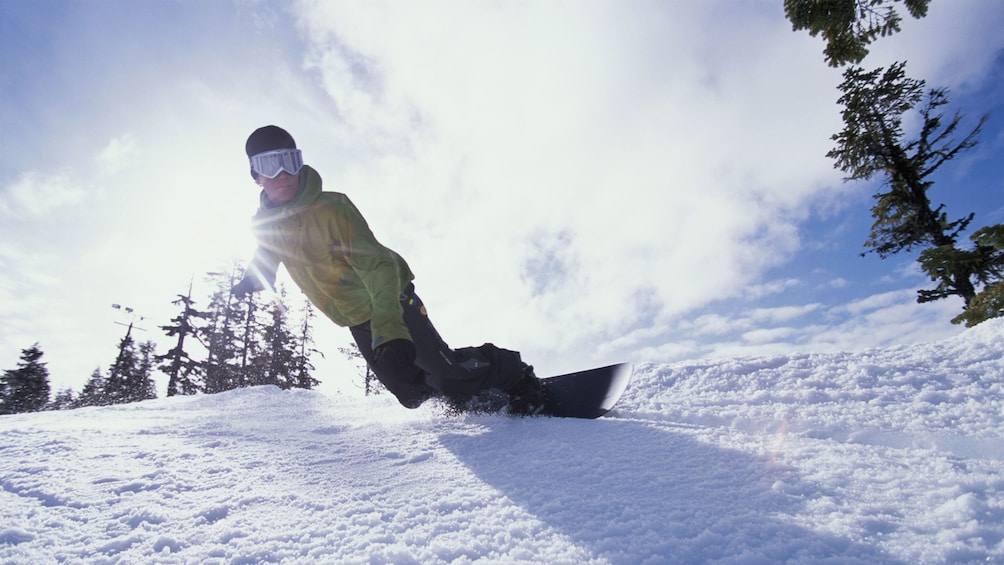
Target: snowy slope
886	456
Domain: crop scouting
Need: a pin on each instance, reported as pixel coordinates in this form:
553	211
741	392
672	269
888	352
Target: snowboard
585	394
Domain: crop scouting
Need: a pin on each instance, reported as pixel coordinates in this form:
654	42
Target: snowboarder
330	252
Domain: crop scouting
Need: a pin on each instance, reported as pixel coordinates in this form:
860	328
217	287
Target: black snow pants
457	374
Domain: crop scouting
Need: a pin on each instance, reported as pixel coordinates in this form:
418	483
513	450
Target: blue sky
586	182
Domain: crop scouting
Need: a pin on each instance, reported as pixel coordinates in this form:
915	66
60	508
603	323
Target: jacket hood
308	190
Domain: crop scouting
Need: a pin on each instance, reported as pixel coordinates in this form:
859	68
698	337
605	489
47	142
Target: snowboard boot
526	397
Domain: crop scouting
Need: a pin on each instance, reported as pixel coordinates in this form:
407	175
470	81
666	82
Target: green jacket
331	254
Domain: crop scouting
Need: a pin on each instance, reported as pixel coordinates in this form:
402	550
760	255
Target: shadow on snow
632	492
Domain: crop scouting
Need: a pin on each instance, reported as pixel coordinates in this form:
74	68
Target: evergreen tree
371	384
849	26
873	143
279	352
129	378
225	318
141	385
254	362
251	343
984	262
64	400
117	385
985	305
280	356
25	389
184	373
93	393
302	367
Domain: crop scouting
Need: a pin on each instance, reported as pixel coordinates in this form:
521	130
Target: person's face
281	189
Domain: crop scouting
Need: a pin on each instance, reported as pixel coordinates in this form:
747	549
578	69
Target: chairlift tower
132	313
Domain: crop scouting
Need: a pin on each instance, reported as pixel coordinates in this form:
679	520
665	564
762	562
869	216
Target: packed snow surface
885	456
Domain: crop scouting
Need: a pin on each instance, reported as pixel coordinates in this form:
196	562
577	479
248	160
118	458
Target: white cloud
773	287
767	335
782	313
951	46
118	154
35	194
575	180
877	302
668	165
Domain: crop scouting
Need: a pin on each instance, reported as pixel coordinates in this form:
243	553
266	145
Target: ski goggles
270	163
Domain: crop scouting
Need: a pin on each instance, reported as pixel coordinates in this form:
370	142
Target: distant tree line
874	143
231	343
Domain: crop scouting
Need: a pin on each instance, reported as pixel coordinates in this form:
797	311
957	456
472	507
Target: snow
884	456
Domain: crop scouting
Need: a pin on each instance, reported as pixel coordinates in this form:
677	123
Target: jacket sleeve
262	269
379	270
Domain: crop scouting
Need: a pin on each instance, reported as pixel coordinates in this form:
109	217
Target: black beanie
268	138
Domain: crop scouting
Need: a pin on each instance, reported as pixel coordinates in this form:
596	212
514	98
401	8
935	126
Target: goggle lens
270	163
